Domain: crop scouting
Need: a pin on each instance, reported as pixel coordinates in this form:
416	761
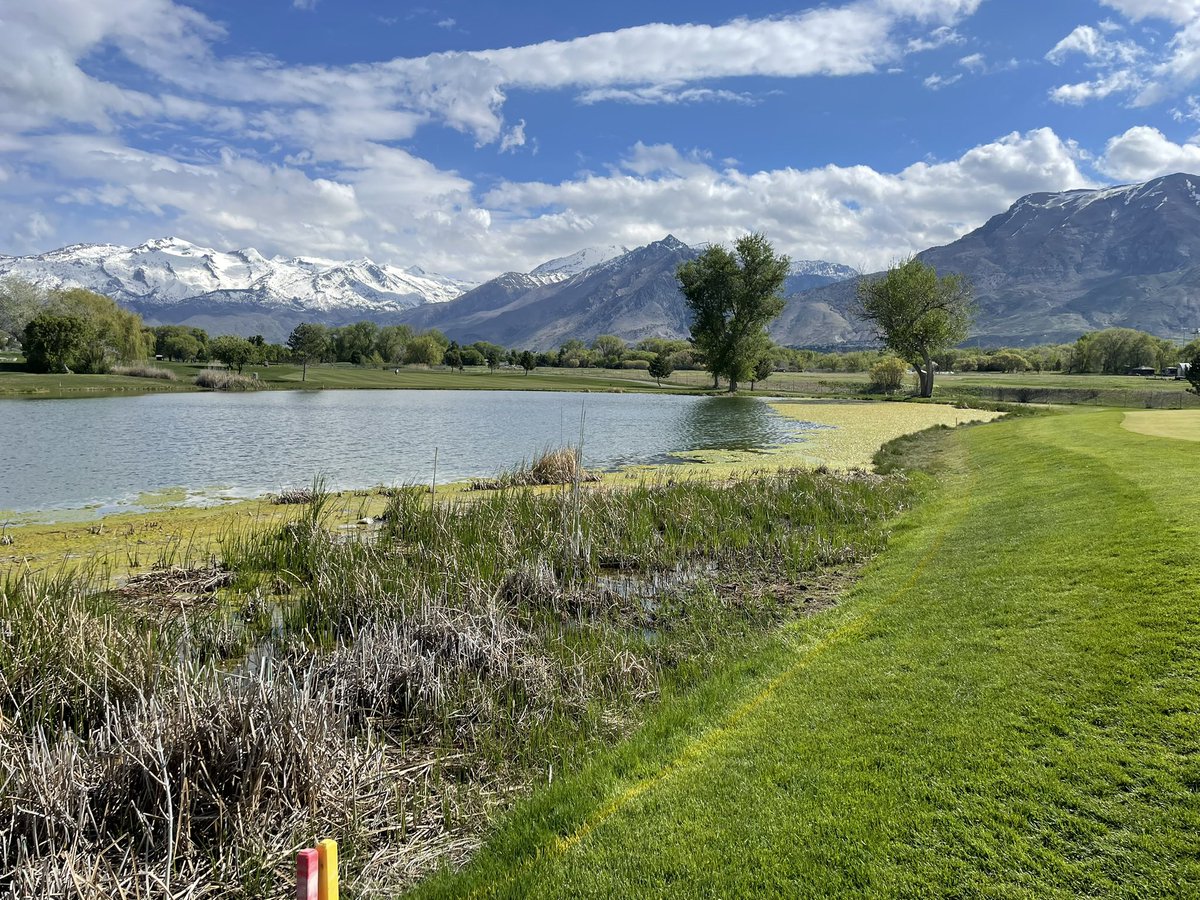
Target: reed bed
144	372
220	380
182	734
553	466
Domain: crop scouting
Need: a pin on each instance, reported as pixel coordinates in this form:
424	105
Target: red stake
307	874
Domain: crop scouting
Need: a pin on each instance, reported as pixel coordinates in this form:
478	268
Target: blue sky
472	138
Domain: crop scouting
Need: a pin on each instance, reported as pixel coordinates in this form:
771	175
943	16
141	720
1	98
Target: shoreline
130	541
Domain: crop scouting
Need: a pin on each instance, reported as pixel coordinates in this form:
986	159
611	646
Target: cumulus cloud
304	159
1178	11
1084	91
1095	46
854	214
1143	152
1148	72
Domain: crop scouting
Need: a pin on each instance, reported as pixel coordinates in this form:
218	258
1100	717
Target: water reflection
68	454
730	423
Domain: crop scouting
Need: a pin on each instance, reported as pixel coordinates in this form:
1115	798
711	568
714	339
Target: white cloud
447	23
853	214
513	138
1082	92
975	62
1179	71
1091	43
668	94
1178	11
1190	111
939	37
1143	152
936	82
1151	71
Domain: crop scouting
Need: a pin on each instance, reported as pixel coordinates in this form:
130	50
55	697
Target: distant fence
1127	397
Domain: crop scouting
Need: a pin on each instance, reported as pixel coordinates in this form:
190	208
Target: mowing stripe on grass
707	741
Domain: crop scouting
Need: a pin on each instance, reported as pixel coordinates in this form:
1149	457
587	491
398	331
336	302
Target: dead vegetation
390	692
560	466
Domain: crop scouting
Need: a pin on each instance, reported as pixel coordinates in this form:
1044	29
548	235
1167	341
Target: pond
114	454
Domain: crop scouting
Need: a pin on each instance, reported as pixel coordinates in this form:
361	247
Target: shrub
888	374
217	380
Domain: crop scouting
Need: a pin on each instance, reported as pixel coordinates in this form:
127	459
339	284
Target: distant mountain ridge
172	281
1056	265
633	295
1049	268
597	290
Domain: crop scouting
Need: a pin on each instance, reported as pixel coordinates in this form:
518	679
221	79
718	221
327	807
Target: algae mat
842	434
1181	424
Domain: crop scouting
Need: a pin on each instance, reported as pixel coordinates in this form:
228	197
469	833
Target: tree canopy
308	341
234	351
917	314
72	329
733	296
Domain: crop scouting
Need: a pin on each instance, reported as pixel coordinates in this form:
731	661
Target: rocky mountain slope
633	295
1055	265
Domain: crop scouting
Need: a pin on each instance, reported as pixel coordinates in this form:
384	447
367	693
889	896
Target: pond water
110	454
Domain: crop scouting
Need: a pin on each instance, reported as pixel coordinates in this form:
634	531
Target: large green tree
20	301
308	342
733	296
917	313
234	351
53	342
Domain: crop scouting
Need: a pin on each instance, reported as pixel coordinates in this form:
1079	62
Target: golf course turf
1007	704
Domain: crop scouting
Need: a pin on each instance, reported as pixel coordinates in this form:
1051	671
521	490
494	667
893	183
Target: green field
14	382
1050	387
1006	705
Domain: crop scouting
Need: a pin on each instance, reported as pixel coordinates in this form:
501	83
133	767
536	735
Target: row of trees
733	296
70	330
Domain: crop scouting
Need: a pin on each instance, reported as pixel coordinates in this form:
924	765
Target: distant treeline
82	331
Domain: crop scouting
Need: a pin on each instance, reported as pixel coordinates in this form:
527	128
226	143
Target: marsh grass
390	686
219	380
143	371
552	467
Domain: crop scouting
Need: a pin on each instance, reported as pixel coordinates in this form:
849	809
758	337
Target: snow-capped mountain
1056	265
566	266
172	281
167	271
632	294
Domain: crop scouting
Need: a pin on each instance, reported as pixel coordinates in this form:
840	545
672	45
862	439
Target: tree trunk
716	381
304	370
926	376
732	386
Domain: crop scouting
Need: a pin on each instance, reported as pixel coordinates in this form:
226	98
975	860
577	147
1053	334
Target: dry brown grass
560	466
144	372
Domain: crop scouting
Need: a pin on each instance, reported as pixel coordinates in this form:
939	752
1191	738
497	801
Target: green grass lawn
1113	390
1006	705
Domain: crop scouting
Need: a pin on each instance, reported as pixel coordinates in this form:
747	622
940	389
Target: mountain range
1056	265
1051	267
597	290
170	281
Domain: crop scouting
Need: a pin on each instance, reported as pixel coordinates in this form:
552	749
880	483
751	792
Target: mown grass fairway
1007	705
1181	425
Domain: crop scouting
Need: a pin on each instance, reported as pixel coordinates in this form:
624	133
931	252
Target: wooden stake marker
327	873
307	875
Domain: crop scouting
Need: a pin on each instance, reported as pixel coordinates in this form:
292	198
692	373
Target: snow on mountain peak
580	260
166	271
